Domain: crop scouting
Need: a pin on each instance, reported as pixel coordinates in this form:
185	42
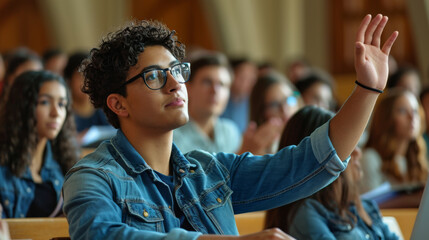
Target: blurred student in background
406	77
317	89
85	115
336	211
395	151
208	90
297	69
55	60
19	61
37	145
272	102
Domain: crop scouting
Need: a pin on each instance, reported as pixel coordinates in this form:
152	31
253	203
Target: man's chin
183	120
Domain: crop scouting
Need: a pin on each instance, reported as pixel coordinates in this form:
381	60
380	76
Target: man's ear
117	103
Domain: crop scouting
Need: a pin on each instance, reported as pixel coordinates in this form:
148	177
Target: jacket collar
133	162
48	161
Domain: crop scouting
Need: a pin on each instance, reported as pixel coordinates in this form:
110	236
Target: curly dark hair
18	134
106	68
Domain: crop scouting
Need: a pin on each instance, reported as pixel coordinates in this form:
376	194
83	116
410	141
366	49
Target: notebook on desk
386	192
421	225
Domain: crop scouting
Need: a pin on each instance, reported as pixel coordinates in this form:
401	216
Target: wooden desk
405	218
38	228
248	223
86	151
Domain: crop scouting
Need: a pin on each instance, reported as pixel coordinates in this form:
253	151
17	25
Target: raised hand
258	139
371	60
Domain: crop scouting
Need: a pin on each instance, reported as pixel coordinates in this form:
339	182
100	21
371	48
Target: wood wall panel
22	24
345	18
186	17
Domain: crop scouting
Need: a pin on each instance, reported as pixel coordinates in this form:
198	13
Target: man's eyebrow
174	62
151	67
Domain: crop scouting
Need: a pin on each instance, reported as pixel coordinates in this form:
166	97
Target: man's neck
154	146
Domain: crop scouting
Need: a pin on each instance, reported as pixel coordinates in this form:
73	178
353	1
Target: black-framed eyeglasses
156	78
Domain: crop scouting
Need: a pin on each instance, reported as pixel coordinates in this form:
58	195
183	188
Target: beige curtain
80	24
273	30
263	30
419	15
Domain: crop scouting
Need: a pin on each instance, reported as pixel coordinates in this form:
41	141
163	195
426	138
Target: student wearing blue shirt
37	145
208	91
139	185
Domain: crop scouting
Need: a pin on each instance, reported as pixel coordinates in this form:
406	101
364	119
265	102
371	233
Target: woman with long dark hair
37	145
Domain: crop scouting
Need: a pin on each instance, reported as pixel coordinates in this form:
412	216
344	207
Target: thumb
359	53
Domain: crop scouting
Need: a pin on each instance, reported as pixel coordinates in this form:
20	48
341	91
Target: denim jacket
113	194
314	221
17	193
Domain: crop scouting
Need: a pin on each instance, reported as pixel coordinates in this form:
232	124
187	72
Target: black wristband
368	88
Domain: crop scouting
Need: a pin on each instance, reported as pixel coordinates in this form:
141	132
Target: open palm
371	61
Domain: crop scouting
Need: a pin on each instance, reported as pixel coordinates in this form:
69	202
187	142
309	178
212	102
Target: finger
251	128
389	42
360	37
359	53
276	121
279	234
371	28
377	34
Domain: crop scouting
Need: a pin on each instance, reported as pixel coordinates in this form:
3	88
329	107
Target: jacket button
218	200
6	202
56	182
145	213
191	171
28	190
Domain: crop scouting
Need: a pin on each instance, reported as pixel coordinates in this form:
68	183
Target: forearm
349	123
371	64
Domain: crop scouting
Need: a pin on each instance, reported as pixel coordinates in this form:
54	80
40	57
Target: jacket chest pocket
217	205
143	216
